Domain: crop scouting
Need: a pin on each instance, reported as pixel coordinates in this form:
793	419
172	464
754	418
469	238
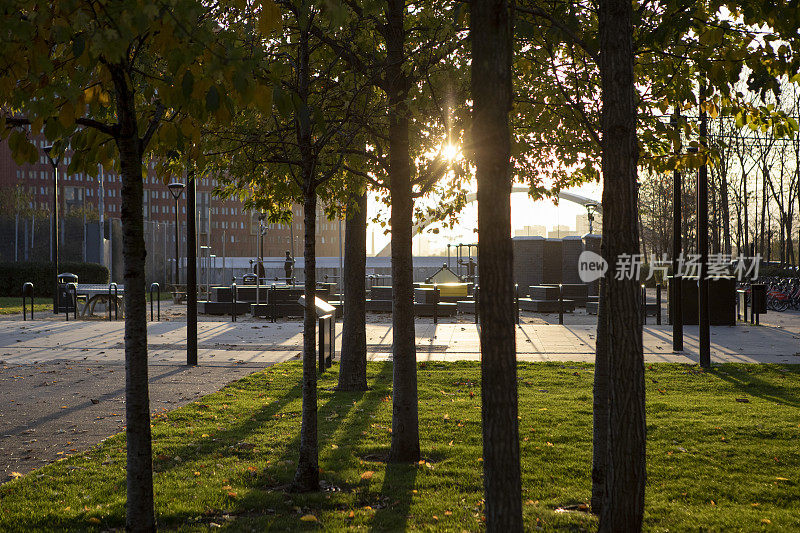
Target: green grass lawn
10	305
723	455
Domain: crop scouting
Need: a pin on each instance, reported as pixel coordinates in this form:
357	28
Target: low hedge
14	275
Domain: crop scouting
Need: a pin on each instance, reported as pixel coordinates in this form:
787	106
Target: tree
104	78
353	367
297	154
491	39
623	507
410	70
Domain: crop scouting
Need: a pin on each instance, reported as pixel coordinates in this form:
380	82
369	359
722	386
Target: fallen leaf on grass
94	520
766	521
308	518
16	475
367	475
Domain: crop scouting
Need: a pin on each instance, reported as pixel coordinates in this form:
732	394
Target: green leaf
283	101
187	84
212	99
78	45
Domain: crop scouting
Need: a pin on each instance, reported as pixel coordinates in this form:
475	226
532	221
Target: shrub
13	275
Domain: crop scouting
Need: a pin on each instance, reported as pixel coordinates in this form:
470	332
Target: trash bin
758	296
66	302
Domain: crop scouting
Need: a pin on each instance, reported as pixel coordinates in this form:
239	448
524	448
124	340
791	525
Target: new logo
591	266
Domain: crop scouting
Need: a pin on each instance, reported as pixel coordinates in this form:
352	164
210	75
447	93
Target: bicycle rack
71	287
158	292
234	297
113	285
27	292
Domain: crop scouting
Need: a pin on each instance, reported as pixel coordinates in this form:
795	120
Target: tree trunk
491	35
600	406
353	369
405	419
625	478
306	477
140	514
725	209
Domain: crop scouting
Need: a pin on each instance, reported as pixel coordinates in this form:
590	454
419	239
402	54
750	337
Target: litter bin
66	301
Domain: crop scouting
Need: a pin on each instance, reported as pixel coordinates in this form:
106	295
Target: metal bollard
234	298
516	300
560	304
158	292
658	304
435	304
27	292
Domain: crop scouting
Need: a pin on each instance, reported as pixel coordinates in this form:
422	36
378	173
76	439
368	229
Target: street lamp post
176	189
47	150
590	210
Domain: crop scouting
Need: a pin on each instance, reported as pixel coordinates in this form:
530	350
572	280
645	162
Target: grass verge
723	455
10	305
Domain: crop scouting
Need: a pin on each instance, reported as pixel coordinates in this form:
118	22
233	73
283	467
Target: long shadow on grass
397	486
753	385
337	423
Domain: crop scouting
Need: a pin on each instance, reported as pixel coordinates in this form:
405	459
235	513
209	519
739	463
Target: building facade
222	225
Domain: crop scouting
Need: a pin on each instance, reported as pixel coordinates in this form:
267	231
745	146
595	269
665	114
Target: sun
450	152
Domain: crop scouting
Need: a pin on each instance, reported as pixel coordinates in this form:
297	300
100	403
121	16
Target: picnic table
93	293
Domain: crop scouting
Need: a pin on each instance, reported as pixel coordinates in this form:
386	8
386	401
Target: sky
524	212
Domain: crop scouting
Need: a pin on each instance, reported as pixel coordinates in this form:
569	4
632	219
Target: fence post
516	300
560	304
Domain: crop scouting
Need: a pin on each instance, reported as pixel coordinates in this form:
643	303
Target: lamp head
176	188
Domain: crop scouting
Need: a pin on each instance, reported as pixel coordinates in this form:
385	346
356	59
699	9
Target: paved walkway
62	383
225	343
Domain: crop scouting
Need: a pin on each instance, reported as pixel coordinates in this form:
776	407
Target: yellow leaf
367	475
197	473
308	518
766	521
269	18
66	115
262	98
16	475
781	479
94	520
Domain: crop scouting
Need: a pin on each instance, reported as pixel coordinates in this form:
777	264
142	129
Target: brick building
224	225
